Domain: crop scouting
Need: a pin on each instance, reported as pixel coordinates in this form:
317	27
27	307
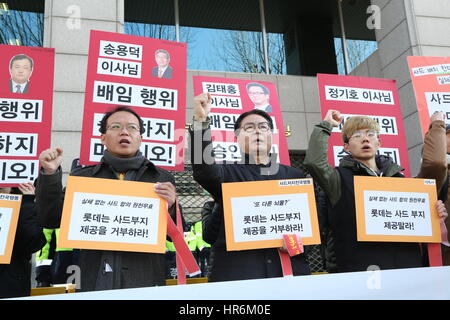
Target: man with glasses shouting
259	95
253	132
121	133
360	135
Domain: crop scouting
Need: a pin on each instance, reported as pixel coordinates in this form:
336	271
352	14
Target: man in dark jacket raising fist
361	137
121	132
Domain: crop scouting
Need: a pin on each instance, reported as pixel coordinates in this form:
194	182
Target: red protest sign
147	75
26	94
376	98
230	98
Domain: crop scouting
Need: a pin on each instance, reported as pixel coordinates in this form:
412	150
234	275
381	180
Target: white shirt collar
163	69
22	85
263	107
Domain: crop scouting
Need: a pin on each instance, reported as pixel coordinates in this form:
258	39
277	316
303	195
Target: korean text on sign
133	95
397	213
258	214
113	218
359	95
396	209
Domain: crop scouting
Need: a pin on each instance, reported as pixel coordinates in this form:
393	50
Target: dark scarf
129	166
384	163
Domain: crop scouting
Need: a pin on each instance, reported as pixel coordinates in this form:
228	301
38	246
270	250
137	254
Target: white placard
437	101
397	213
388	125
114	218
120	50
362	95
14	144
443	80
427	70
269	217
119	68
134	95
5	220
228	89
21	110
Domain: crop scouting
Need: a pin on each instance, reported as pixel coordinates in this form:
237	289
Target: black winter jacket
351	254
15	278
245	264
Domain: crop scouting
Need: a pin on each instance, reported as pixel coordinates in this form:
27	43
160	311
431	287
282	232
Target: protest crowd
116	220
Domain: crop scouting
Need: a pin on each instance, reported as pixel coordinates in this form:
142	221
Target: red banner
376	98
26	95
230	98
147	75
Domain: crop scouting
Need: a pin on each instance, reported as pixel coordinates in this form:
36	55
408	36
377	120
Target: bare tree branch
358	51
242	51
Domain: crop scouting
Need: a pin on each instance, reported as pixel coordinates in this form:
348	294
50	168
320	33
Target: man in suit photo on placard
259	95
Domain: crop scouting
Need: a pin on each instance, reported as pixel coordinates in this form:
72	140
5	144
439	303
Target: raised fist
51	159
202	106
333	117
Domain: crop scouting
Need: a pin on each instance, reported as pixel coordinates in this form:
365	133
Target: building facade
311	37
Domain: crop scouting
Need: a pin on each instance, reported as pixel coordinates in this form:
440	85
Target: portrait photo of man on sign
260	96
20	69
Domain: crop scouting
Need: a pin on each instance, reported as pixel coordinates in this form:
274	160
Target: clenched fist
333	117
202	106
437	116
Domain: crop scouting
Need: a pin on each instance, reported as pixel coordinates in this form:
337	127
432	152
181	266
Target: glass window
168	32
22	25
235	42
358	51
277	53
226	50
361	40
157	31
225	36
151	18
